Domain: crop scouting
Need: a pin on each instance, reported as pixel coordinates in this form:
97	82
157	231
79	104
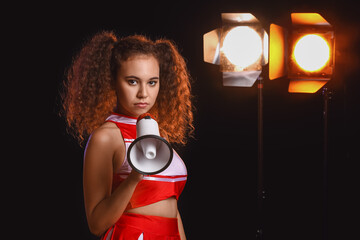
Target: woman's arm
102	207
181	227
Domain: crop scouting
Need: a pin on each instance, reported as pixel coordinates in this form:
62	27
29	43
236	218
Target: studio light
304	53
240	47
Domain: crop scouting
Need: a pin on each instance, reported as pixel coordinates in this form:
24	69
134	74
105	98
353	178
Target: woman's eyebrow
132	77
137	78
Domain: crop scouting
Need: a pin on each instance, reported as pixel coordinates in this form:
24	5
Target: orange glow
277	52
242	46
308	19
311	52
305	86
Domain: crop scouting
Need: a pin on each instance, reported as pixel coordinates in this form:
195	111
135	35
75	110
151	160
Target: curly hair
89	95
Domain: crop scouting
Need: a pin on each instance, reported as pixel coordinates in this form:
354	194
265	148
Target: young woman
110	83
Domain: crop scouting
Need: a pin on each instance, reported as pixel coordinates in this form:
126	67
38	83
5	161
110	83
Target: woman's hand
135	176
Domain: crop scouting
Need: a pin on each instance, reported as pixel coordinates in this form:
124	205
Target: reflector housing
304	78
240	47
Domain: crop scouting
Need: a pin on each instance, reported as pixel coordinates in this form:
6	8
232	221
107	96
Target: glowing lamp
311	53
240	47
305	53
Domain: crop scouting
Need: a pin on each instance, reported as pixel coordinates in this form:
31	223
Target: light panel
211	45
277	52
305	86
308	19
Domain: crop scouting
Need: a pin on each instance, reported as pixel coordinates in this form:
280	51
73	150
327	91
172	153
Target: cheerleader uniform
153	188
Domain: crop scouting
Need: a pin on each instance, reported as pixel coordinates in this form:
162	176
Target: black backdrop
219	201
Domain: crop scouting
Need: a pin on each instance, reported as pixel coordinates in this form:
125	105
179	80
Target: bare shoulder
101	150
106	136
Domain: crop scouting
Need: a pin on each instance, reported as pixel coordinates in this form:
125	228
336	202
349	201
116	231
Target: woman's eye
132	82
152	83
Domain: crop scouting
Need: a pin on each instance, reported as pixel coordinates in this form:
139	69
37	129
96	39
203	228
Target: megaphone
149	153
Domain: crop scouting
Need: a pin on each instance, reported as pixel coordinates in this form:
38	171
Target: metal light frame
281	60
213	50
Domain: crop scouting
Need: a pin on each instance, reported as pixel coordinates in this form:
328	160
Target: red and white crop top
153	188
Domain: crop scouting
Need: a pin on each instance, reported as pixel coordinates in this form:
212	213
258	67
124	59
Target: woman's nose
142	92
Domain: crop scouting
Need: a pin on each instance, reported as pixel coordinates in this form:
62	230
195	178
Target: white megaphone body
149	153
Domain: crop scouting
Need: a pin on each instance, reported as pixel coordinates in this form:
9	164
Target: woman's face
137	85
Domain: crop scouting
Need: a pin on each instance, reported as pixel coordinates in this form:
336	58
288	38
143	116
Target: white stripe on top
122	119
150	178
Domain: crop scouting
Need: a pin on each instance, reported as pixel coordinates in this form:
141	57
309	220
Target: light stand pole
327	94
260	183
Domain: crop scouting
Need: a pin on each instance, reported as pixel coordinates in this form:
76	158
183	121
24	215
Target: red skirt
133	226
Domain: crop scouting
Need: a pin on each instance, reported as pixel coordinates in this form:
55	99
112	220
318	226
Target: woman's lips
141	105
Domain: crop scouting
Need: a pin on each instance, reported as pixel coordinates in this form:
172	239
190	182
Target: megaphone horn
149	153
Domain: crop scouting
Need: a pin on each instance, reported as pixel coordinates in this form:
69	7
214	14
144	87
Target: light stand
305	53
260	183
240	47
327	94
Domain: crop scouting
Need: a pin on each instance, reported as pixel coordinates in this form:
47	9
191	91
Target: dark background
220	198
